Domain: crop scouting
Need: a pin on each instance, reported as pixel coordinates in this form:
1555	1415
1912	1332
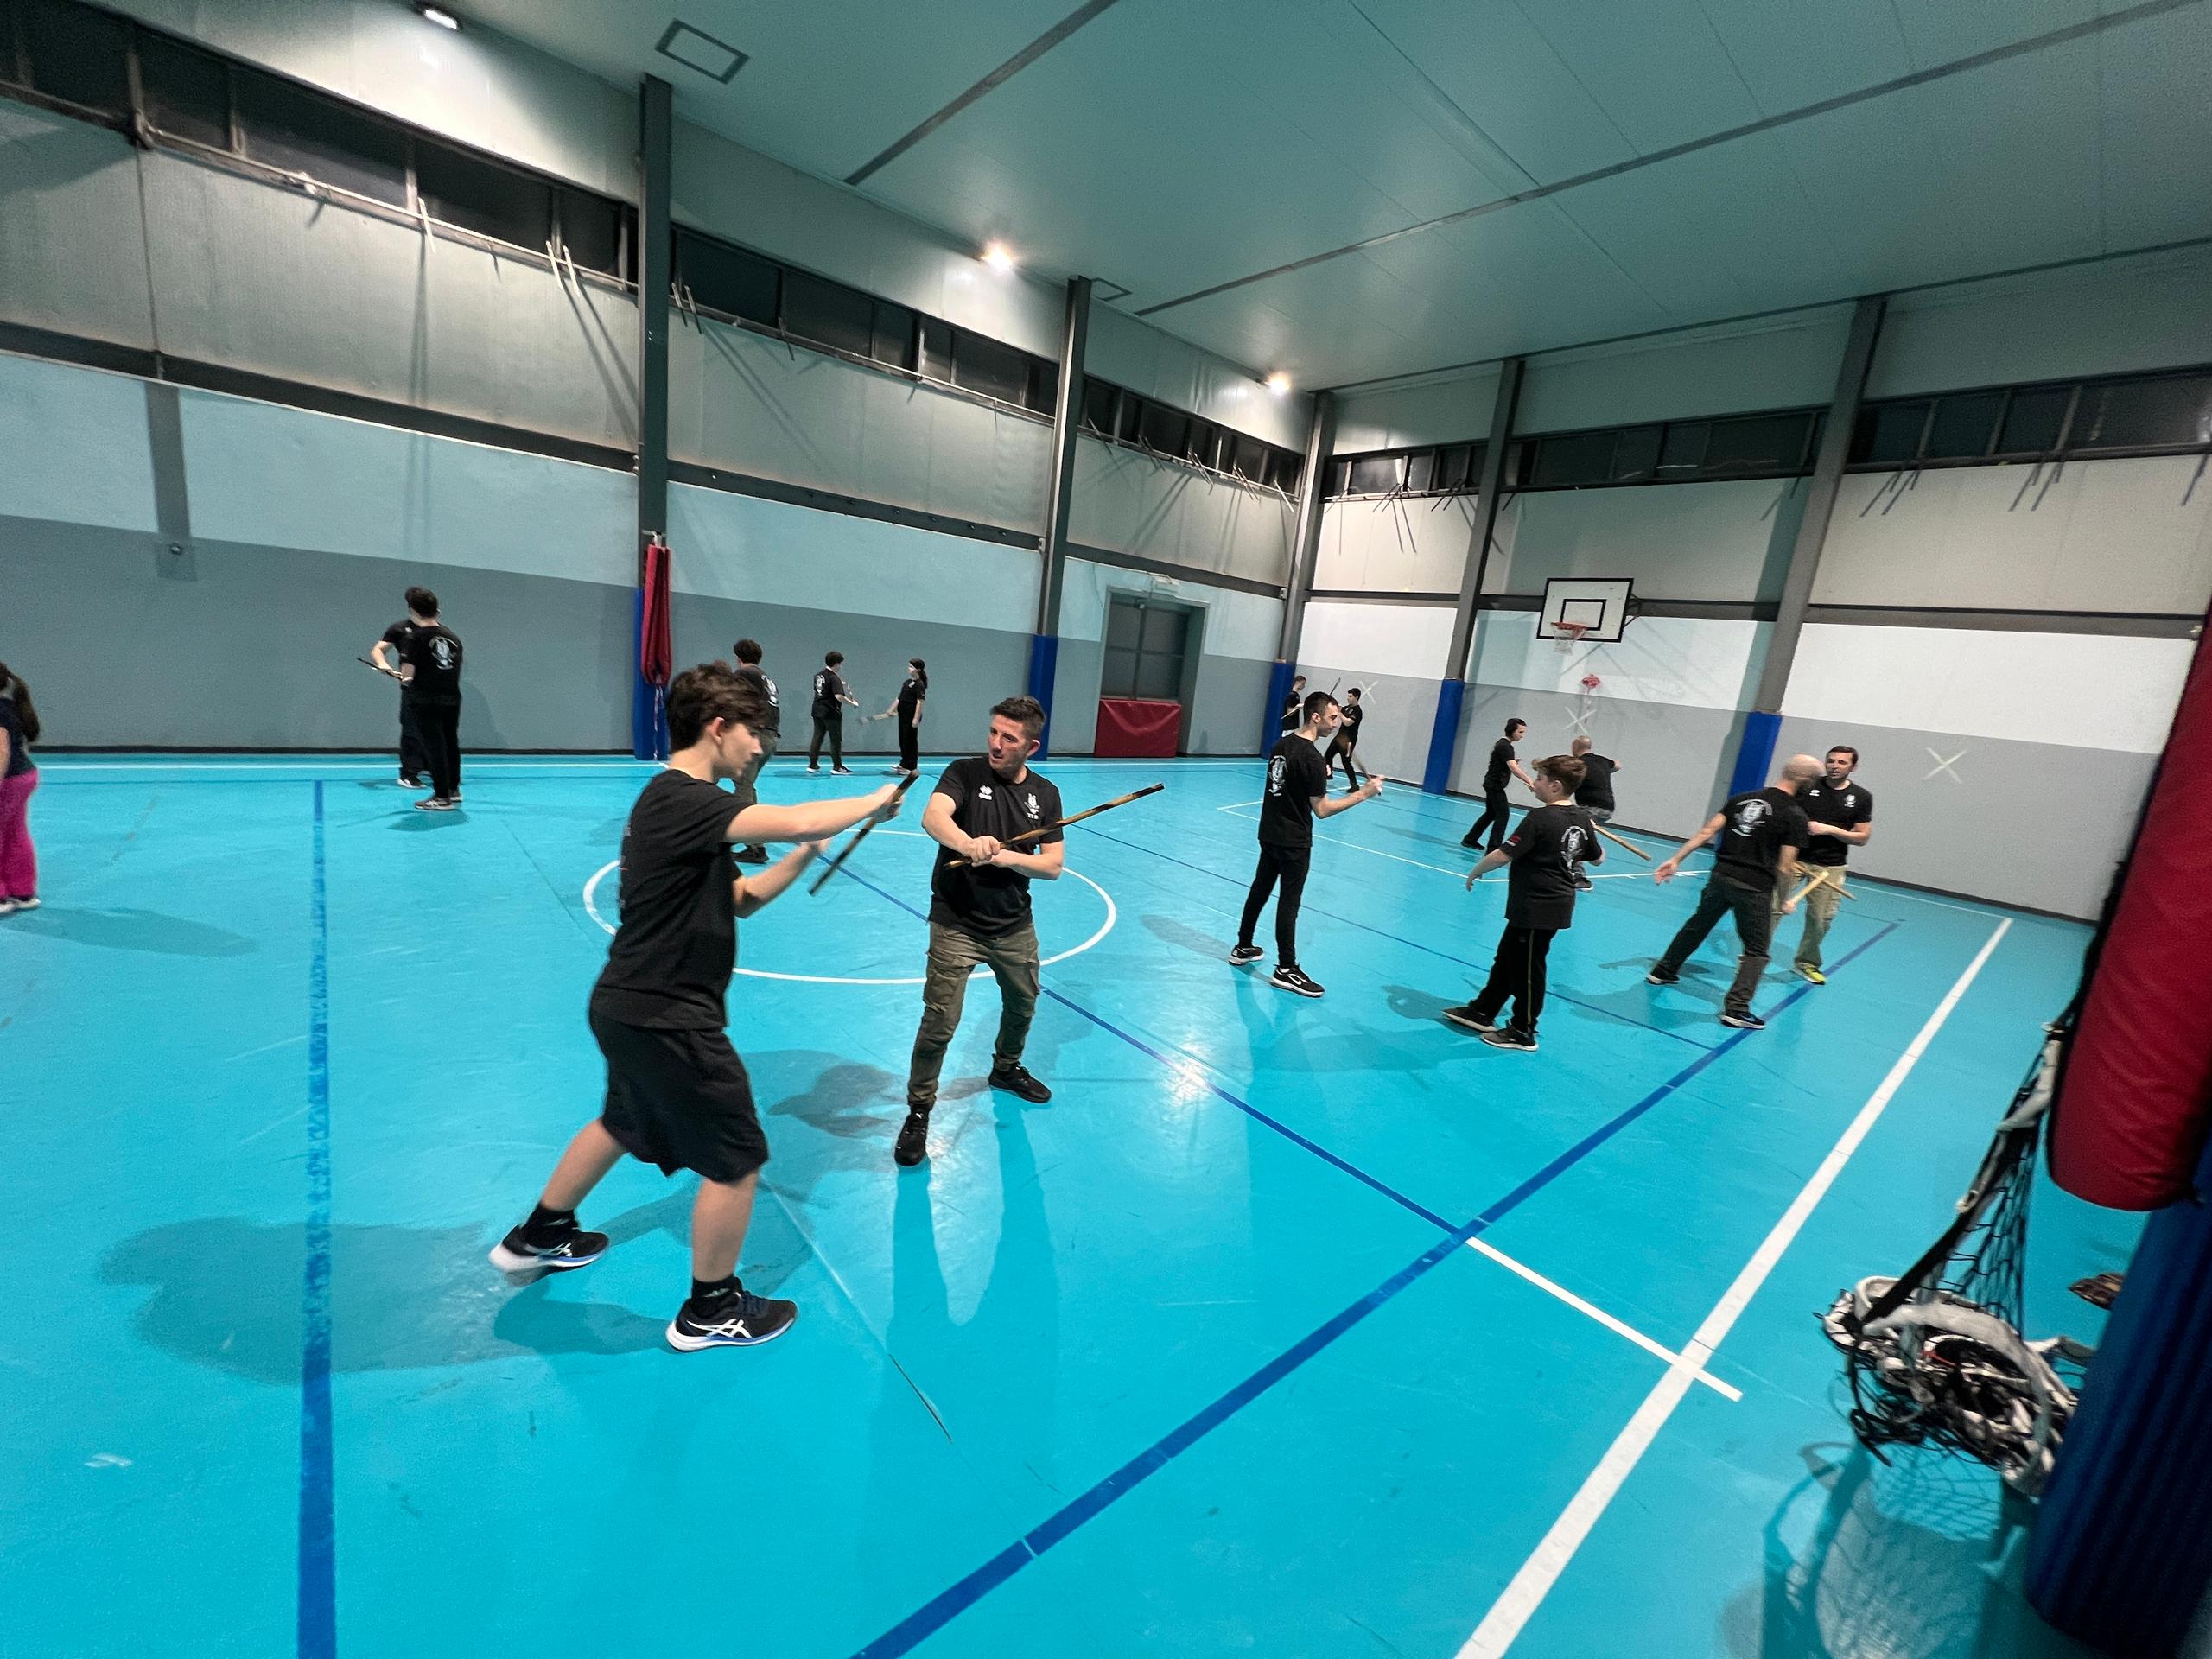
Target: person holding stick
906	708
1347	739
1760	832
831	693
677	1094
1497	810
770	732
980	910
1287	718
1841	813
429	694
1297	793
413	762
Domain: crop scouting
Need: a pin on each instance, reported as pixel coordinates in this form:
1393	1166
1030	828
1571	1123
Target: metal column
1305	551
648	722
1067	419
1451	695
1754	757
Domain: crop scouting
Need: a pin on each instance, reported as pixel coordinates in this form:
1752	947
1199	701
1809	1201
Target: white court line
1338	840
1518	1603
1599	1314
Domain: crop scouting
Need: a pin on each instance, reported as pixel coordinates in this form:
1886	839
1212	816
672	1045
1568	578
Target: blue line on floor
1555	994
948	1604
318	1580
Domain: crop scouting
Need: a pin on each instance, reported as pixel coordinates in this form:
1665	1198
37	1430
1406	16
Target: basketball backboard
1598	604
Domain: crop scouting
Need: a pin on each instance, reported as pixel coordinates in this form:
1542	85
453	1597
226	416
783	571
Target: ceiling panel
2155	80
2018	143
1656	69
1791	55
1944	33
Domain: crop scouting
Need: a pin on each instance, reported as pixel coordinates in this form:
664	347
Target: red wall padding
1137	725
2135	1104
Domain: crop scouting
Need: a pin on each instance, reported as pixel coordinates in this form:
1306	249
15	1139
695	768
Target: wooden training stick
838	862
365	663
1047	828
1823	879
1618	841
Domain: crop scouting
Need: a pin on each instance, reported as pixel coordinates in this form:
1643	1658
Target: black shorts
680	1099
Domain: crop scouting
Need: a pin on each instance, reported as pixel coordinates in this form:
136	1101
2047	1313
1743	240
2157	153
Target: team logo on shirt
771	684
984	794
1033	806
1575	845
1277	768
1749	815
441	651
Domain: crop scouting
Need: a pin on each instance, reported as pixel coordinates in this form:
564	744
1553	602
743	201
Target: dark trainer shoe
742	1320
913	1144
1744	1021
574	1247
1521	1042
751	854
1290	979
1660	976
1243	955
1465	1014
1016	1079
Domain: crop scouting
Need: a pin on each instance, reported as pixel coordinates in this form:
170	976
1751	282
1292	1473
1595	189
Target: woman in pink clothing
18	778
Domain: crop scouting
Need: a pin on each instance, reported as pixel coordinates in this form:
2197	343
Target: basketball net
1567	636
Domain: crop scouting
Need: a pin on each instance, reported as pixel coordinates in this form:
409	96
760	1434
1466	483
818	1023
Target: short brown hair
1024	711
699	696
1564	769
422	601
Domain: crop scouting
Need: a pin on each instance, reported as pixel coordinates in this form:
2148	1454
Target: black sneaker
1290	979
1522	1042
1016	1079
841	772
1744	1021
437	803
573	1247
813	770
1469	841
406	782
751	854
1244	955
1582	882
1465	1015
913	1143
1659	975
737	1320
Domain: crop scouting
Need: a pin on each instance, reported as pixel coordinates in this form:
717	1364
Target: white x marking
1943	766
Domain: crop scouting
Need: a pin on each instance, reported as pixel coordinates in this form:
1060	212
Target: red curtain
656	650
1130	725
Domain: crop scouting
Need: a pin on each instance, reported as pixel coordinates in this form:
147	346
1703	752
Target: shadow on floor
147	930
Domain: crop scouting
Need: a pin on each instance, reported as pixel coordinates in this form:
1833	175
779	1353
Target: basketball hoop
1568	635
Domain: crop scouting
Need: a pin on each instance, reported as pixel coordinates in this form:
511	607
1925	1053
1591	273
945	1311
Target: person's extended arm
1858	837
1044	864
1327	807
938	824
754	891
1786	865
810	820
1522	772
376	655
1665	872
1488	862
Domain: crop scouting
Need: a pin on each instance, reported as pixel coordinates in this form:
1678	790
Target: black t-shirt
1545	846
828	693
1597	786
1500	753
1846	808
1296	776
434	651
19	749
912	690
991	899
1291	705
774	725
1755	826
669	964
1348	734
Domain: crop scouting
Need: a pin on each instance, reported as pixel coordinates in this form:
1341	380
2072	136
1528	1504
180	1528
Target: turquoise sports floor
1288	1328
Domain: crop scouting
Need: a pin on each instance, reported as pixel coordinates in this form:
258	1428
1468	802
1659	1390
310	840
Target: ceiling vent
696	50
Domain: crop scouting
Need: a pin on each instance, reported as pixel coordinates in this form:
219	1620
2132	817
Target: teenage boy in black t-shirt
1347	739
979	912
429	694
412	762
1841	813
1297	793
1761	833
771	733
676	1093
831	697
1497	814
1287	719
1547	852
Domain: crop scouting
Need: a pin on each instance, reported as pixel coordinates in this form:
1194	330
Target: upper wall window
725	280
2034	421
294	130
2138	414
75	54
187	93
828	314
2167	412
1118	415
458	189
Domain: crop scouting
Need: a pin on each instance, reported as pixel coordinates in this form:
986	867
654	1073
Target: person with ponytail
19	729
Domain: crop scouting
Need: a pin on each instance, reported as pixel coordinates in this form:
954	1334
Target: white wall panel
73	446
72	246
1716	541
2080	690
1778	363
1237	624
1412	641
1129	503
741	547
1691	662
1452	410
1133	353
1411	545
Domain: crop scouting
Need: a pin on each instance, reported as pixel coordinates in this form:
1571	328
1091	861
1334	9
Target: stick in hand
838	862
379	667
1618	841
1062	823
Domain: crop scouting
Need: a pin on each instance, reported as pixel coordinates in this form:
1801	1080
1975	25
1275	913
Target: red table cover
1130	725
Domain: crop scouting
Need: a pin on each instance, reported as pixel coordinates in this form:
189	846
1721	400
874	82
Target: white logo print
984	793
441	649
1749	815
1033	806
1276	768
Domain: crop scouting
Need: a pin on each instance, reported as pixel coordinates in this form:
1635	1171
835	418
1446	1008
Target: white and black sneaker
1291	979
556	1252
1661	976
736	1318
438	803
407	782
1521	1042
1245	955
1465	1015
1744	1021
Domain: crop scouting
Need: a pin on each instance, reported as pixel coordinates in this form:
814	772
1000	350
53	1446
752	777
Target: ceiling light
1279	383
437	15
999	257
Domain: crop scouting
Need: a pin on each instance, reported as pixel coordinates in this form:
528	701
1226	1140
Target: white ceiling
1171	145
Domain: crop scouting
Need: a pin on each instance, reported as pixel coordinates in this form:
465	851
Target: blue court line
949	1603
1380	933
317	1629
1192	1069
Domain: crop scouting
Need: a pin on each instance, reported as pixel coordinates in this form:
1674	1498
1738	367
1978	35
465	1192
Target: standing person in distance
1595	792
1546	850
19	729
1840	811
412	760
831	697
1761	832
677	1094
980	913
906	709
1347	739
430	693
1288	717
1497	811
1297	793
769	731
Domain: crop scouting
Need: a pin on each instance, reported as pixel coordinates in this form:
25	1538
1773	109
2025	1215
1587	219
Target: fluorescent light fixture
437	15
999	257
1279	383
